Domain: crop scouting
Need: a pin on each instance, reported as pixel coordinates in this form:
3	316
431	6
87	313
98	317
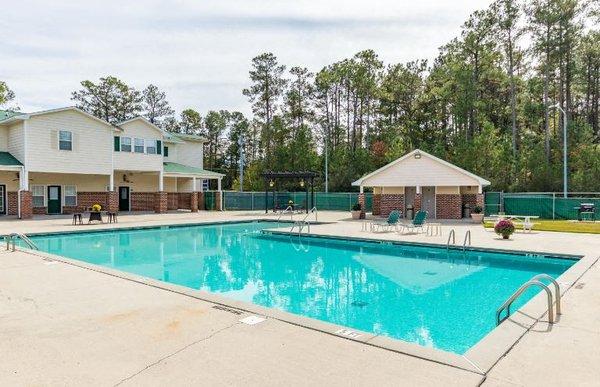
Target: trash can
466	210
410	211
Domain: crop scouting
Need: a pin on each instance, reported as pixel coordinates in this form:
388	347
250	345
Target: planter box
477	218
355	214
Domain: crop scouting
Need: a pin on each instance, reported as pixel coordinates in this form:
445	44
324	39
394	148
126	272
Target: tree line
487	103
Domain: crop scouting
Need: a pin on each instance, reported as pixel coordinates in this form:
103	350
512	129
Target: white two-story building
65	160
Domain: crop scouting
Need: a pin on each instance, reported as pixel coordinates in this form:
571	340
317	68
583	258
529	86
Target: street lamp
557	106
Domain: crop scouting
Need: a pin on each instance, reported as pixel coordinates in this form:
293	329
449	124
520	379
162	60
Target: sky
199	52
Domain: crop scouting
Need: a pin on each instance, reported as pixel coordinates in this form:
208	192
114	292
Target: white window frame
151	144
123	144
135	145
43	196
65	195
70	141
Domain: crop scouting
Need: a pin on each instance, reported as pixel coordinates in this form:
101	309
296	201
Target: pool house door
428	201
54	205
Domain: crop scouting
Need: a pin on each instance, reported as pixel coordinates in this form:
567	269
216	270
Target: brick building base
448	206
12	201
361	201
112	201
194	201
142	201
376	204
26	205
160	202
391	202
201	205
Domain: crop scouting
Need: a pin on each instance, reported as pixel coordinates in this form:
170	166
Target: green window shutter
117	143
166	151
158	147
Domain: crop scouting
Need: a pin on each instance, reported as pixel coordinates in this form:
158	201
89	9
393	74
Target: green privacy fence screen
545	205
325	201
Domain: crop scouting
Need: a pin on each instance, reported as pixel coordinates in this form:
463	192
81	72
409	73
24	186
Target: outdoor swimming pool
420	294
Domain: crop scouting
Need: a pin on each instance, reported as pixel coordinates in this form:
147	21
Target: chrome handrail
453	236
506	305
314	209
467	235
301	224
288	209
13	236
556	288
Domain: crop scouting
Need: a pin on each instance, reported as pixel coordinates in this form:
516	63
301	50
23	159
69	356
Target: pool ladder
11	238
534	281
452	236
305	223
288	209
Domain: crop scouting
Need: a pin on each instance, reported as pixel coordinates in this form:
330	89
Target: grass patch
559	226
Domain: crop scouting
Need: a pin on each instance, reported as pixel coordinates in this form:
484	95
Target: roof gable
427	170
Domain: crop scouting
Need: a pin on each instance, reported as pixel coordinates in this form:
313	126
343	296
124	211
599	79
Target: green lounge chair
417	223
391	222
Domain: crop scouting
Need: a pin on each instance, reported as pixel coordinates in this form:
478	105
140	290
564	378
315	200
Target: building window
166	151
70	195
125	144
151	147
139	145
38	195
65	140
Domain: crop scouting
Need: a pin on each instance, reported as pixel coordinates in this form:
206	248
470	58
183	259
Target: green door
123	198
54	206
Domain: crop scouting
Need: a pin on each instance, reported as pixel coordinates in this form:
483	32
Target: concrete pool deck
65	324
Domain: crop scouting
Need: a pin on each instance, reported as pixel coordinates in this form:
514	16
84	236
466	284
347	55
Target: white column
160	182
194	184
24	179
219	184
418	189
362	189
479	189
111	183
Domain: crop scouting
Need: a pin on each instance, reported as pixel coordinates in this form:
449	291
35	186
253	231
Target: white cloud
199	52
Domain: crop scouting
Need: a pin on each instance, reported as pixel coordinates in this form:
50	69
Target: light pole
565	176
241	146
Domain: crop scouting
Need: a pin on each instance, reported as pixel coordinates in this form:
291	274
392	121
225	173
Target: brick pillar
480	201
417	202
361	201
26	205
377	204
160	202
200	201
112	200
218	204
194	201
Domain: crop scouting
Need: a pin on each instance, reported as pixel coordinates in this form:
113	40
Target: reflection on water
419	294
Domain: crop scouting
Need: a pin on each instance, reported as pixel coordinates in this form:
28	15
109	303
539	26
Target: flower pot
477	218
355	214
505	236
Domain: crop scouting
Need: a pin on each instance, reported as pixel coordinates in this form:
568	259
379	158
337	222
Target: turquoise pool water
418	294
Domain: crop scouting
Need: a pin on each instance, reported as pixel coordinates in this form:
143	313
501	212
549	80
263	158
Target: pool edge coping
479	359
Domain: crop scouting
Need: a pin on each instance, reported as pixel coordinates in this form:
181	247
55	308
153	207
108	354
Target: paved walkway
67	325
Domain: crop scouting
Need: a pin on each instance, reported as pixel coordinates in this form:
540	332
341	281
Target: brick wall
26	204
391	202
417	203
377	204
112	199
194	201
184	201
12	201
160	202
142	201
172	201
361	201
448	206
470	199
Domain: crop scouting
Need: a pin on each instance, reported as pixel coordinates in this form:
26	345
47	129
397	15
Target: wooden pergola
307	177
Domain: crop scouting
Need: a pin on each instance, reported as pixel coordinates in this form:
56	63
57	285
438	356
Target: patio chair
390	222
418	223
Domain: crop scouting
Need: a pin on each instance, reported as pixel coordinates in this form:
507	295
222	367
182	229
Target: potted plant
505	228
96	208
356	210
477	214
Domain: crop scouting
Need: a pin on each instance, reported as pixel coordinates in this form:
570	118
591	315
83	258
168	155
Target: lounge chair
417	223
390	222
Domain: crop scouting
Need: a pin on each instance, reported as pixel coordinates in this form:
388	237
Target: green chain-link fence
330	201
545	205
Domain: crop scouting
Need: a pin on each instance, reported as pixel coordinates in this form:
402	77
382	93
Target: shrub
477	210
356	207
504	227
